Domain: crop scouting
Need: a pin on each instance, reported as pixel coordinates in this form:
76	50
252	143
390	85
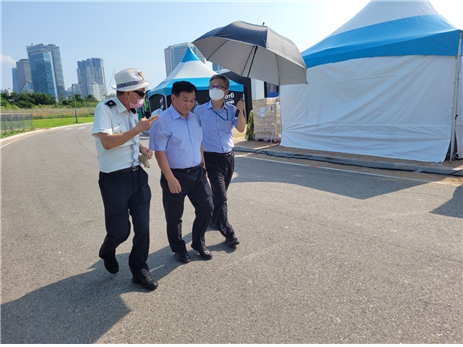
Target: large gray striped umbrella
254	51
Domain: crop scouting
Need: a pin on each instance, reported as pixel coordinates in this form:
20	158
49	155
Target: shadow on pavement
79	309
82	308
323	179
333	181
453	207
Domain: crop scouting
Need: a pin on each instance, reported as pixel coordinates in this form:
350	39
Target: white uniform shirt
111	117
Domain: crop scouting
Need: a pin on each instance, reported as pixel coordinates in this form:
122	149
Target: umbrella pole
247	83
244	100
252	61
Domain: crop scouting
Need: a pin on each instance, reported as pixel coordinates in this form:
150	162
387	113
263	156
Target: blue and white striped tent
384	84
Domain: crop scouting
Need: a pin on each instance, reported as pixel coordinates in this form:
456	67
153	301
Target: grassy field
47	117
40	112
59	122
50	123
61	112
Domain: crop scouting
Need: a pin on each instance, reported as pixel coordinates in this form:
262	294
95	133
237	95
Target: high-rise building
89	73
95	89
14	72
216	67
174	54
46	70
24	76
43	76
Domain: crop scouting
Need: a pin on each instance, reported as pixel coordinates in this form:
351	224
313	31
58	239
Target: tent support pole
165	99
455	99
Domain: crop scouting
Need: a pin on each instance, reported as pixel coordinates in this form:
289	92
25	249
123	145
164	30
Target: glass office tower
24	76
43	76
46	70
14	72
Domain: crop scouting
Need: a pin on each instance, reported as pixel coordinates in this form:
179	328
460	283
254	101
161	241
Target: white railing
16	122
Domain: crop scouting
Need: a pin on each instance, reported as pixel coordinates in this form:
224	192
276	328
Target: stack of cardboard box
267	119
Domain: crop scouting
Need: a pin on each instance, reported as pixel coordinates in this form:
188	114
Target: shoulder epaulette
110	103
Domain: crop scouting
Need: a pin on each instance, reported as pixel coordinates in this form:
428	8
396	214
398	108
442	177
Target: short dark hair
183	86
224	78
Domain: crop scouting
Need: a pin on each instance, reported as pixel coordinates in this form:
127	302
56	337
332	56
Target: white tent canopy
383	84
193	70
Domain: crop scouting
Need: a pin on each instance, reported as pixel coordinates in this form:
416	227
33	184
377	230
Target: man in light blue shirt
217	120
176	139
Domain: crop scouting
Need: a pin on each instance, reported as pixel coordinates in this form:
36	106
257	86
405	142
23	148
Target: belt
188	169
223	155
132	168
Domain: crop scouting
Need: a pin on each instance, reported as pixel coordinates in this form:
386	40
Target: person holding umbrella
217	120
250	51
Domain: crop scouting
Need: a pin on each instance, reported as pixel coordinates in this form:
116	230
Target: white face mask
216	94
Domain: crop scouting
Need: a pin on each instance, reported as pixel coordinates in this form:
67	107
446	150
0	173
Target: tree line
28	101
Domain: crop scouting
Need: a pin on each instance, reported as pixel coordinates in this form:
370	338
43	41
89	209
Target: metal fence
16	122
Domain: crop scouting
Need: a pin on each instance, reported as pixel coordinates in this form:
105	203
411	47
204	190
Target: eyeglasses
216	87
139	93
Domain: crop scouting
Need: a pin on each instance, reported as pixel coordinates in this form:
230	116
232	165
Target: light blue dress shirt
217	127
178	137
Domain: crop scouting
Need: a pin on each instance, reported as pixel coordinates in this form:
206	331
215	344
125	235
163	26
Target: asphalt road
327	255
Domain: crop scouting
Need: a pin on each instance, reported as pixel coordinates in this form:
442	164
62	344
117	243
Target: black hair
183	86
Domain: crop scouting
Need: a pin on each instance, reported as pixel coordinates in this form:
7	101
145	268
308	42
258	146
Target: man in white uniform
123	183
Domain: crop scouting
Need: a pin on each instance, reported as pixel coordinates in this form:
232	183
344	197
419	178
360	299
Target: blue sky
135	34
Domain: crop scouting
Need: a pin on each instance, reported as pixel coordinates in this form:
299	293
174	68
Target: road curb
13	138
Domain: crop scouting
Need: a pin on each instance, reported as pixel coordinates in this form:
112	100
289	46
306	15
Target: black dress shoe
182	257
111	265
232	241
146	281
203	252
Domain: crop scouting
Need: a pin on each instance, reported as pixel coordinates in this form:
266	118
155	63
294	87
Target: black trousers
126	192
220	168
194	185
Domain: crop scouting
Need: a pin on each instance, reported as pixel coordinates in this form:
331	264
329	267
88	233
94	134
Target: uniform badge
110	103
